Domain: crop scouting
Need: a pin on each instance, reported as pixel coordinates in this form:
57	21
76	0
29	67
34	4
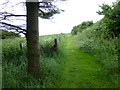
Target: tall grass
105	50
94	41
15	64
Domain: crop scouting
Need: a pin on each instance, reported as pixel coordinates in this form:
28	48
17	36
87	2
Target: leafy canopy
81	27
112	17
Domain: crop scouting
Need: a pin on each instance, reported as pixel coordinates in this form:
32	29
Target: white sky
76	11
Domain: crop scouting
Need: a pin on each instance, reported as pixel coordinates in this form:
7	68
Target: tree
85	24
74	30
81	27
34	9
112	18
33	38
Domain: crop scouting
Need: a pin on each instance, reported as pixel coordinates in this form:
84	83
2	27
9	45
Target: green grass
0	76
69	68
15	63
94	40
0	64
81	70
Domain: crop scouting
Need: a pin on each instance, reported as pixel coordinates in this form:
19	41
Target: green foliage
74	30
5	34
94	41
112	18
14	63
101	40
60	65
47	10
81	27
106	10
86	24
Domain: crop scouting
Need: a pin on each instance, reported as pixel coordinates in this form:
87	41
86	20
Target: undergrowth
95	41
14	64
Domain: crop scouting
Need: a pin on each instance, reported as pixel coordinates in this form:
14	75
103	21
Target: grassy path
81	70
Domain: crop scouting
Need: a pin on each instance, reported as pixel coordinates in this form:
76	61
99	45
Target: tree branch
12	15
46	11
6	14
17	28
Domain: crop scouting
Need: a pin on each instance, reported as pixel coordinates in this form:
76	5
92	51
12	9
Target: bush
93	41
112	18
81	27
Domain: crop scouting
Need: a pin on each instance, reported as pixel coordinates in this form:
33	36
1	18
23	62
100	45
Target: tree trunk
32	36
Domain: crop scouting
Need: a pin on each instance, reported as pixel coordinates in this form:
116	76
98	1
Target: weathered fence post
55	46
21	46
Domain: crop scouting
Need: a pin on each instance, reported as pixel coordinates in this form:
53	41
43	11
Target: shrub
112	18
81	27
93	41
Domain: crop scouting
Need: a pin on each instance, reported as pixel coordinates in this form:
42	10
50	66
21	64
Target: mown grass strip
81	70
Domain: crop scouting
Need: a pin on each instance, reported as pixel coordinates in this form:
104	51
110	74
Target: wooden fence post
21	46
55	46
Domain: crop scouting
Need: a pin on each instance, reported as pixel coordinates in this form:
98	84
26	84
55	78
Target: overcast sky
76	11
